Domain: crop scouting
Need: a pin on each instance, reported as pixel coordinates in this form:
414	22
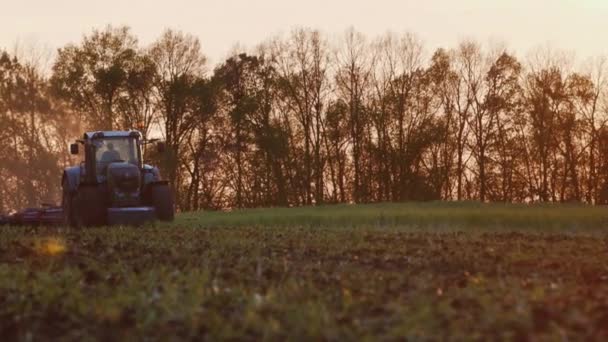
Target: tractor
113	186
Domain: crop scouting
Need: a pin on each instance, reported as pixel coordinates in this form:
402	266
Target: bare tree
547	101
467	58
590	90
353	76
179	64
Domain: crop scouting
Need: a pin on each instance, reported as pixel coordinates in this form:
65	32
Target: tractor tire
161	198
67	205
89	205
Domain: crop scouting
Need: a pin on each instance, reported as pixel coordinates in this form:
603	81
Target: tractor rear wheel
67	202
161	198
90	207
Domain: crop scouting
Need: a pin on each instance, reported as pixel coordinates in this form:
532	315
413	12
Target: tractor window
115	150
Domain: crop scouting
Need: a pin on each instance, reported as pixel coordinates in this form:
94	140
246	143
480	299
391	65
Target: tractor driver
110	155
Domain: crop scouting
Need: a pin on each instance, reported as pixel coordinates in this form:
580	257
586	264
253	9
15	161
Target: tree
495	95
409	100
136	107
467	60
589	92
546	97
352	79
94	77
32	131
179	65
238	81
301	64
504	103
442	152
204	156
300	120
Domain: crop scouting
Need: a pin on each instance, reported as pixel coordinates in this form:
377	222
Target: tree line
302	119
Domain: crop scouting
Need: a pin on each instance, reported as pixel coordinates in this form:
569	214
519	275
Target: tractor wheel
67	202
90	207
161	198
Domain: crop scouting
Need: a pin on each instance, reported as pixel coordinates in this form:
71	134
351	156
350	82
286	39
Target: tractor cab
101	149
115	150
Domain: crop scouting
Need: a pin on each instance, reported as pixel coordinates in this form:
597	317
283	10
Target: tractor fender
72	176
151	174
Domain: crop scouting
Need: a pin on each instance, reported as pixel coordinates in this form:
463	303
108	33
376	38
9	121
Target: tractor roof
112	134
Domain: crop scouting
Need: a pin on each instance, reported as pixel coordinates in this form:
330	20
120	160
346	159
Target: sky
578	26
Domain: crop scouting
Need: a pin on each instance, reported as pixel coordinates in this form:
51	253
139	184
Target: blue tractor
112	185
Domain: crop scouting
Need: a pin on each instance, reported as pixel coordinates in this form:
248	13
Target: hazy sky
576	25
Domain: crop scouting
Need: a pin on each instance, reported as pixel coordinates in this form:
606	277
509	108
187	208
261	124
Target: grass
390	271
442	216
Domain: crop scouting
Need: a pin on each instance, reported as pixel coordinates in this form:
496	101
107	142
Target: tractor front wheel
67	205
90	208
161	198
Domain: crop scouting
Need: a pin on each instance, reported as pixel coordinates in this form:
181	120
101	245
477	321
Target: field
390	271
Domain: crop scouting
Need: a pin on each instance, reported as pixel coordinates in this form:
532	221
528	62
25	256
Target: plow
111	186
47	215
